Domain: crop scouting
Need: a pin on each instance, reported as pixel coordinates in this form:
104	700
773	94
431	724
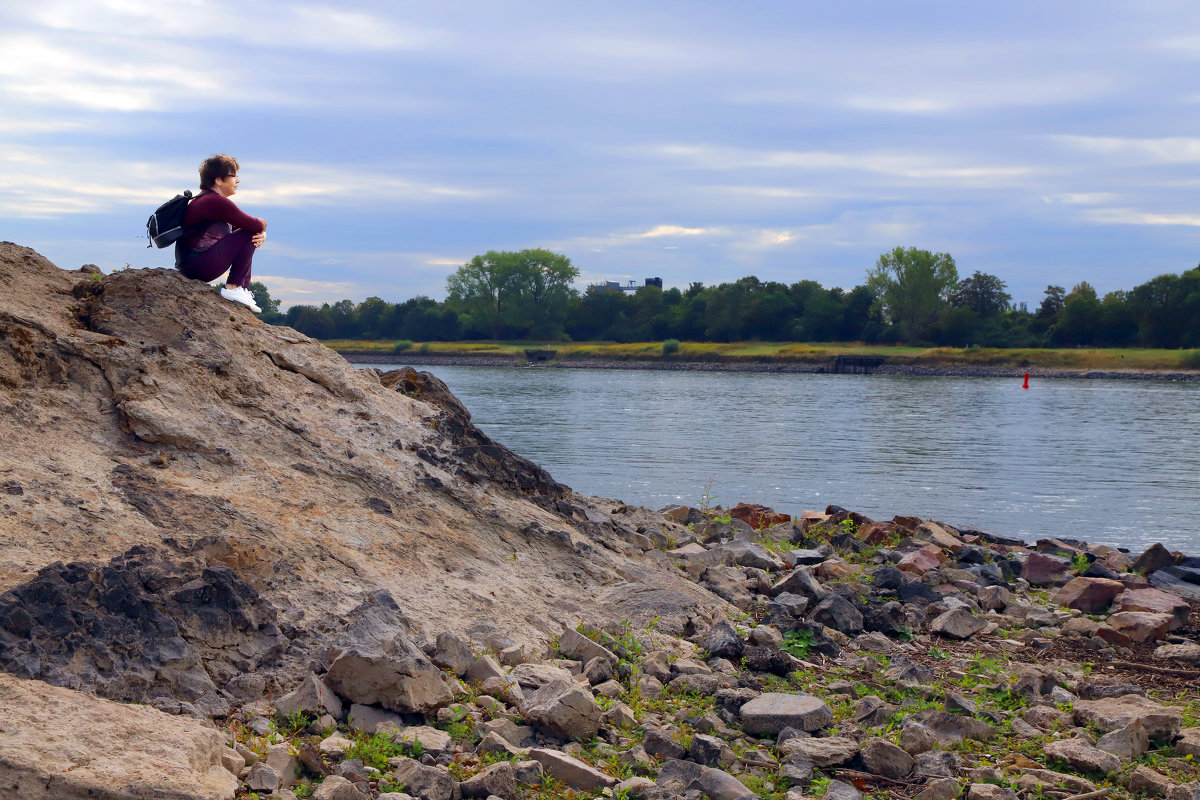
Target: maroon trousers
233	252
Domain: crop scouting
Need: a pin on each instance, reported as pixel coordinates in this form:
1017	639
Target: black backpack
165	225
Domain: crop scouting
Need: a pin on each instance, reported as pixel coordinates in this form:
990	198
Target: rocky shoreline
900	658
956	370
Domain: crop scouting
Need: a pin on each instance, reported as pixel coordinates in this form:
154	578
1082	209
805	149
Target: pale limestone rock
568	712
771	712
1083	756
59	744
571	771
1109	714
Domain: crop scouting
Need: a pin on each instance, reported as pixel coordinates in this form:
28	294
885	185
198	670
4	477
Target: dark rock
710	751
1189	574
713	783
766	659
723	641
802	558
787	603
1098	570
881	757
660	745
971	554
887	577
918	593
952	729
937	764
838	613
872	711
1153	559
889	618
798	771
1166	581
904	668
138	627
989	575
957	703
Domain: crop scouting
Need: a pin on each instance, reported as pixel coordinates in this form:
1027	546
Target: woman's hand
259	238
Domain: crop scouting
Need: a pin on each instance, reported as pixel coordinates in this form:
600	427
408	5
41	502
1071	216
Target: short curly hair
216	167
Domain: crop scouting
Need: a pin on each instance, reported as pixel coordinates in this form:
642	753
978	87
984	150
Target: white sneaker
240	294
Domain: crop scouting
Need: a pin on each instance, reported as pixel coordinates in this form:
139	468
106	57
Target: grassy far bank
791	352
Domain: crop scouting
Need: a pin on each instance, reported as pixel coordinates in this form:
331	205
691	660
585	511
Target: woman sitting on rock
220	236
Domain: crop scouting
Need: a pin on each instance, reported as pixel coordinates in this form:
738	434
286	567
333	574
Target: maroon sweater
222	216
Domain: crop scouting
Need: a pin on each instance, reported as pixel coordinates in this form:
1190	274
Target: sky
386	143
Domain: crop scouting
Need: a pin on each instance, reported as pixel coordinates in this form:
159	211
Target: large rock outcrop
188	495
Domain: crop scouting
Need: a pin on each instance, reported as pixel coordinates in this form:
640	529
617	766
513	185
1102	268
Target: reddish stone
876	533
677	513
921	560
1056	547
1090	595
1141	626
939	536
1113	636
1155	600
907	523
1111	557
1043	570
758	517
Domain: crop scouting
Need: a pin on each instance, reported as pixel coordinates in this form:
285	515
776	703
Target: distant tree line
911	296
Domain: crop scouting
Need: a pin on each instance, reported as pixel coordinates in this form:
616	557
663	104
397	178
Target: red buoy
1026	386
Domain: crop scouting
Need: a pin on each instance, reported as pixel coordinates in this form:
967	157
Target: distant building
630	286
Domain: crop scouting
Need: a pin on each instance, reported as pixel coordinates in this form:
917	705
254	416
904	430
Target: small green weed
374	751
798	642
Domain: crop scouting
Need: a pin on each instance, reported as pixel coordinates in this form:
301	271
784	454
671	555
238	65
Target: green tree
912	287
1079	322
523	292
371	316
544	292
982	293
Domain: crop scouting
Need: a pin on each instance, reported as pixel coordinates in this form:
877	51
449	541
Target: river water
1112	462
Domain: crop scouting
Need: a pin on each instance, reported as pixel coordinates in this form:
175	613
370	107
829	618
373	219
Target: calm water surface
1114	462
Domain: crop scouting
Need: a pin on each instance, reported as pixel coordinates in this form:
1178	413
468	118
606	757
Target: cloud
296	26
44	183
767	238
670	230
1164	150
1081	198
40	73
1129	216
900	105
910	166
